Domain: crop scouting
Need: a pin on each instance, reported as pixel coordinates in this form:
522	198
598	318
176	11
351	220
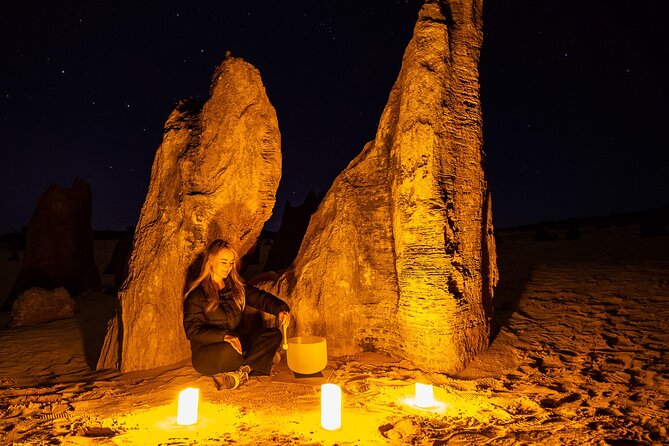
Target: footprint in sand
641	378
71	390
552	403
538	364
511	380
656	347
11	412
567	356
617	377
593	373
622	360
567	352
610	340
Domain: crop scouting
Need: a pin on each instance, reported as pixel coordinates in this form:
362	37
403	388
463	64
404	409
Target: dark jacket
211	327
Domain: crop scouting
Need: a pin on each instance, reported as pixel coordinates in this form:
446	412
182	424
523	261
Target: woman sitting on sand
221	345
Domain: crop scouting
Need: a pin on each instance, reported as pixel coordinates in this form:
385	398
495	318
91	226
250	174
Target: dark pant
258	349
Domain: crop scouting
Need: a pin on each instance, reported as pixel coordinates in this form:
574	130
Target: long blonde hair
204	278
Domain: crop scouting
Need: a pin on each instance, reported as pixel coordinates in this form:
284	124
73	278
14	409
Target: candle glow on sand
424	399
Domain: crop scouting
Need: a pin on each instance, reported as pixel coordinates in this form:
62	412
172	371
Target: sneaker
232	380
244	371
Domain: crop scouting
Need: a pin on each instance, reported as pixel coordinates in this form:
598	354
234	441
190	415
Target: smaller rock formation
118	264
37	306
59	250
291	232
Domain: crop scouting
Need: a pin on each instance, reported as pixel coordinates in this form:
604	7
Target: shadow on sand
96	309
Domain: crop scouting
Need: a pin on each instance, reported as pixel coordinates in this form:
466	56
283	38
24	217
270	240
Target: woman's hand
284	319
234	341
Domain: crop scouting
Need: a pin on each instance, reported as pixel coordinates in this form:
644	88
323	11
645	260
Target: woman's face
222	263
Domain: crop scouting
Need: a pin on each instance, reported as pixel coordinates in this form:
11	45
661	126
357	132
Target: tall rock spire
400	256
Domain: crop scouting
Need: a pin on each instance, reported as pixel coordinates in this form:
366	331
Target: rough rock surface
37	306
400	256
59	251
214	175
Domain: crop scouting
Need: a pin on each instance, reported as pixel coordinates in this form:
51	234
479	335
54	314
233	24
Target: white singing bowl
307	354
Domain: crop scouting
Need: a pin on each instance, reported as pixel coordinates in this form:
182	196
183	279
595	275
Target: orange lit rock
214	175
400	256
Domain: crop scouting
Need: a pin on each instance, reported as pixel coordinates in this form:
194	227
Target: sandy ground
580	358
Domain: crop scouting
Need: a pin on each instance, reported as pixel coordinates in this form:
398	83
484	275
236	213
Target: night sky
574	96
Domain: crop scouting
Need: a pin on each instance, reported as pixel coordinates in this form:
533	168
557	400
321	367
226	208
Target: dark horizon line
628	217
